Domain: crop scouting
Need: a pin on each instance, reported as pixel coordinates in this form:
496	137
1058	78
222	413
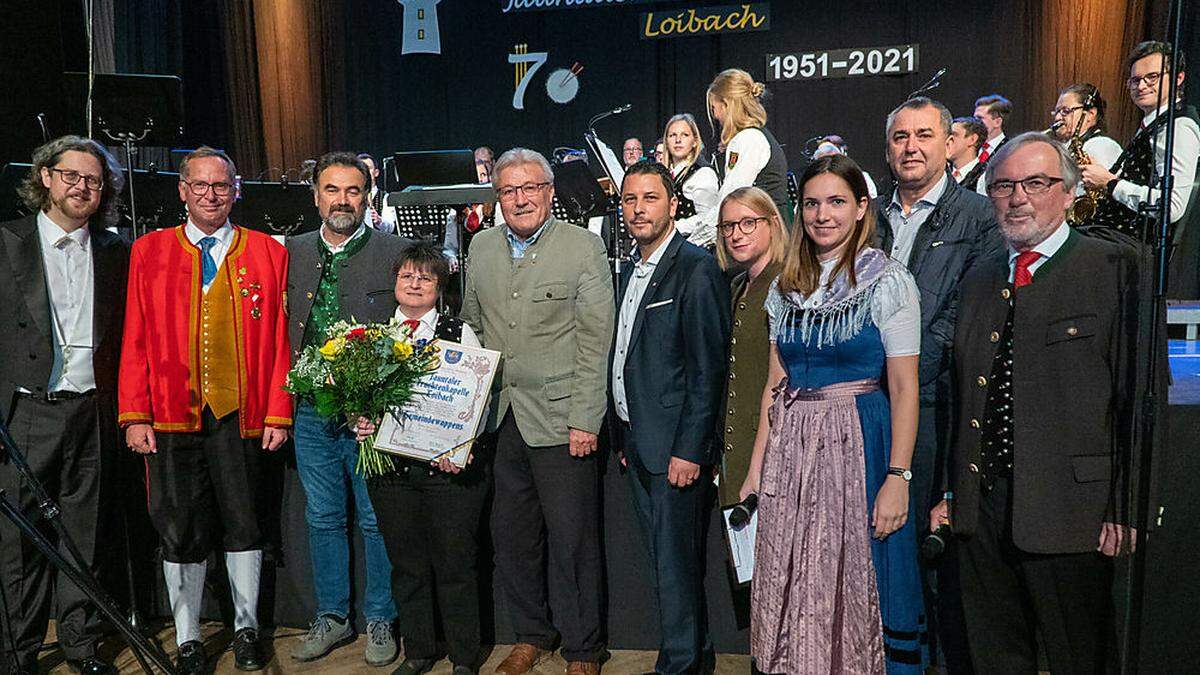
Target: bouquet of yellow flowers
363	370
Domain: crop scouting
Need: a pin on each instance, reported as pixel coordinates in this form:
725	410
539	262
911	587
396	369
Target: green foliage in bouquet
363	370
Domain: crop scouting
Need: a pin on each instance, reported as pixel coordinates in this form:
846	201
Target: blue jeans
326	453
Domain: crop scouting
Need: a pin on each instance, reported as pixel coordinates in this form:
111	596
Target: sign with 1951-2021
855	62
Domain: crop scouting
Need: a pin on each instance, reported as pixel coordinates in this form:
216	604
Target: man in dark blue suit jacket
667	380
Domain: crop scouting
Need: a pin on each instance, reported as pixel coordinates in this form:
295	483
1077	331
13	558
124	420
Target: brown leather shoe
583	668
521	659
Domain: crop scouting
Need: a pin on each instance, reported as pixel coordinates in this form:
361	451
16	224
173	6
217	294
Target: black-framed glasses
746	225
1034	185
529	190
71	177
201	188
1066	110
1150	79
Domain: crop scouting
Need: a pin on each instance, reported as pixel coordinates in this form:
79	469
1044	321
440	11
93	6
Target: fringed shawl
843	310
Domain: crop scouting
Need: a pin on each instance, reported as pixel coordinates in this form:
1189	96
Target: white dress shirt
1047	248
337	248
70	285
643	270
224	237
1183	164
904	227
958	172
992	144
425	331
703	189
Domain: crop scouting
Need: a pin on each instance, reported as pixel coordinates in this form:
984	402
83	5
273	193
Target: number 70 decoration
562	85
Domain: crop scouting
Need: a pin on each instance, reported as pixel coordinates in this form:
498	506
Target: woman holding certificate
429	514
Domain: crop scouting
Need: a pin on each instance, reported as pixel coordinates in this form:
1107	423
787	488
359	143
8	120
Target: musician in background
631	152
1080	108
834	144
660	153
992	110
748	153
464	223
1132	179
696	184
379	215
967	135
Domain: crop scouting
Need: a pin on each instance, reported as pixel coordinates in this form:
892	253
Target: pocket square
660	303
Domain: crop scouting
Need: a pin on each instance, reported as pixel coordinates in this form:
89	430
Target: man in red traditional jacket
203	364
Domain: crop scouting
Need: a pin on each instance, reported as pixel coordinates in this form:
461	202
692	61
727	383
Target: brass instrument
1084	206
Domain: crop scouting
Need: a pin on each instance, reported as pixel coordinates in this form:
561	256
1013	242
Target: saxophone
1084	206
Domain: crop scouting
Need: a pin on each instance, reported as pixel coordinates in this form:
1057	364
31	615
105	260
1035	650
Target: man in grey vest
539	291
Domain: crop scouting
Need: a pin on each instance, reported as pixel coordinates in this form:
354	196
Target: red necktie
472	223
983	156
1022	276
956	175
413	324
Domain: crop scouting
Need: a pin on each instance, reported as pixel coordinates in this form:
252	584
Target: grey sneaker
324	635
381	644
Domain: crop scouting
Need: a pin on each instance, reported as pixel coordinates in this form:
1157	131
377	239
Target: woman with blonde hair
695	182
835	584
747	153
753	243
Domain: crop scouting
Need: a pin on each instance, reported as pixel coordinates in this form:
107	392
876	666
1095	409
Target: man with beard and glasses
938	229
61	305
203	364
1050	338
667	379
342	271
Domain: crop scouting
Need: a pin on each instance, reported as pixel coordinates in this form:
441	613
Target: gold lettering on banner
703	21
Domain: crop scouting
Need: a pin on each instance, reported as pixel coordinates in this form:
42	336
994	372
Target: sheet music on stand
609	160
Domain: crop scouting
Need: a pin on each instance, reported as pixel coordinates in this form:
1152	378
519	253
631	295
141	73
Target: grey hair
518	157
917	103
35	195
1070	170
205	151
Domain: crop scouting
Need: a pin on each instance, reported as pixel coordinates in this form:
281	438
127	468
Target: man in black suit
62	307
667	380
1045	357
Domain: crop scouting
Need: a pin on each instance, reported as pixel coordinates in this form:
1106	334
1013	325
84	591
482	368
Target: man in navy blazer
667	379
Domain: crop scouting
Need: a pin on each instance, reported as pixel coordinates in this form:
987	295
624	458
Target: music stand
133	110
433	167
578	191
616	174
277	208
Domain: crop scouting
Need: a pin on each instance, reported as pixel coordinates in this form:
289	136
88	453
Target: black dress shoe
414	667
247	653
91	666
191	659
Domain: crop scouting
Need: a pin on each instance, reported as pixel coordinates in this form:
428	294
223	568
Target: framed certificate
443	418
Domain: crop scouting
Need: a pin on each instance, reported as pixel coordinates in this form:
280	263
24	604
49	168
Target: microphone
743	510
621	109
609	113
41	118
933	83
935	544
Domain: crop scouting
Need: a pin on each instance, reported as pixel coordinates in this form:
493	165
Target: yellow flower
332	348
402	349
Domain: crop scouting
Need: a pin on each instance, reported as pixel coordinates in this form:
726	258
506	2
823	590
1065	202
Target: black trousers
1010	596
546	532
205	490
431	523
673	521
61	443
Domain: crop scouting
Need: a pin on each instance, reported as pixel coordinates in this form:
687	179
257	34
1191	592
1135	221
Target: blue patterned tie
208	269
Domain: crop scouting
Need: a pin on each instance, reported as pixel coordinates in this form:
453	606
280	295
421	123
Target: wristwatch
906	474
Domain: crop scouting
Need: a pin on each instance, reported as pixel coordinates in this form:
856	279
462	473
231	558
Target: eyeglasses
1066	110
72	178
1150	79
200	188
746	225
529	190
1034	185
418	279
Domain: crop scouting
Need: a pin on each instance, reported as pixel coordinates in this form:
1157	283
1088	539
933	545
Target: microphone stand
1151	410
611	212
933	83
72	564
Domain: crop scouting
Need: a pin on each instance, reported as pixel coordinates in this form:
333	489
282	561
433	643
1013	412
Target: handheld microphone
743	510
935	544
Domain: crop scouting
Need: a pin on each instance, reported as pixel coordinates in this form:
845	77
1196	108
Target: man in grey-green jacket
539	291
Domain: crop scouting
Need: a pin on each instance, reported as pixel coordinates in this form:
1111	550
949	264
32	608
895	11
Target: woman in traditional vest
696	184
747	153
430	514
